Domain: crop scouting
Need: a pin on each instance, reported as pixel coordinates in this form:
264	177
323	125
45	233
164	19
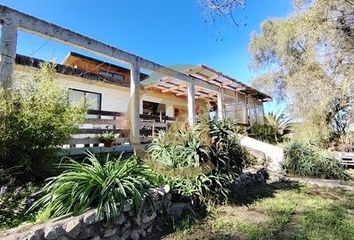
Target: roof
164	84
210	75
67	70
73	55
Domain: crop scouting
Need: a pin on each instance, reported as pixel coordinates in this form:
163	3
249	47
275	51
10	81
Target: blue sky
165	31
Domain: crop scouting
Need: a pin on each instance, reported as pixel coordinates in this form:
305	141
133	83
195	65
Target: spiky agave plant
105	186
279	121
182	149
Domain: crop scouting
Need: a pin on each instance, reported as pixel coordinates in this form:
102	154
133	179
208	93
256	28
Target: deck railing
99	122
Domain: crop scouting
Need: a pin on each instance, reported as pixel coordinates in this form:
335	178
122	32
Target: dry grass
279	211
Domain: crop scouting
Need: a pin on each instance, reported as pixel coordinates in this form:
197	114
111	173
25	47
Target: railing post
7	52
135	104
191	104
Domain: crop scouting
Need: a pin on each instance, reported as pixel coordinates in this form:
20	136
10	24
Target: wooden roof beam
177	87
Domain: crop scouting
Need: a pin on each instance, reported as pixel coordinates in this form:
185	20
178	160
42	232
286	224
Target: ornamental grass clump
309	160
104	185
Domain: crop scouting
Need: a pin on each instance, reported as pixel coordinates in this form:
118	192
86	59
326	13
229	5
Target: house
127	100
105	87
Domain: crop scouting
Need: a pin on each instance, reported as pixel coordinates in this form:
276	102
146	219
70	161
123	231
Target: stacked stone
131	224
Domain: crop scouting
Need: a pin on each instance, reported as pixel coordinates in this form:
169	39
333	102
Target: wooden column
245	110
134	113
220	99
262	105
191	104
7	53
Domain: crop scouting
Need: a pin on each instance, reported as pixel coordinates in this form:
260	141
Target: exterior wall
116	98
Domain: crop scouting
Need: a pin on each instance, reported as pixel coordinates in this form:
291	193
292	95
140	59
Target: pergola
228	87
198	82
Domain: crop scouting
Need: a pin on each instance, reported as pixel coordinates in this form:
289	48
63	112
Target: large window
155	109
91	100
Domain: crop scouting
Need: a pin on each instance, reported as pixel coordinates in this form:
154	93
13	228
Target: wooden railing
99	122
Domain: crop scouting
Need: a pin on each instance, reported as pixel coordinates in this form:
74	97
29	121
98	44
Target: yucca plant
105	186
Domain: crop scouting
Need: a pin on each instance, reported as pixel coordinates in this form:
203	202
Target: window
91	100
155	109
114	76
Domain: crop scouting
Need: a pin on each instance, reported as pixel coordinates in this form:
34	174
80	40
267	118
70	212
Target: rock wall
131	224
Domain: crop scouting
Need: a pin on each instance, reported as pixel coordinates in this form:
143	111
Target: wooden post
134	104
7	53
245	109
236	107
191	104
220	99
262	105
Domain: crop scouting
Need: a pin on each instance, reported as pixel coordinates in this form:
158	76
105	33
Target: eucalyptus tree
308	59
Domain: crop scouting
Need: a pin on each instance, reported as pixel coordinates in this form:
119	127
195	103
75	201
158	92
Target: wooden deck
99	122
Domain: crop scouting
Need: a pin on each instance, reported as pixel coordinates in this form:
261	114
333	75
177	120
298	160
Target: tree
215	8
308	60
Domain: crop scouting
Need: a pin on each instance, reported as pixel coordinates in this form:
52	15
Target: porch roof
179	88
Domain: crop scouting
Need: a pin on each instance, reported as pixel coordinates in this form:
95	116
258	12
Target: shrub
266	133
179	149
228	154
107	138
35	119
275	128
305	159
14	203
201	162
105	186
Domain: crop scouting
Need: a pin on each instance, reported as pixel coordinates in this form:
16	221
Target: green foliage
14	203
306	59
105	186
35	119
200	163
228	155
107	138
265	133
179	149
306	159
274	130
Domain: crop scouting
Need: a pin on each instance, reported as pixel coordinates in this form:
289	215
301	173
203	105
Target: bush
305	159
228	154
104	186
200	163
35	119
14	203
265	133
179	149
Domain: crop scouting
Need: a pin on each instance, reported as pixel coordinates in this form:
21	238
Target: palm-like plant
91	184
279	122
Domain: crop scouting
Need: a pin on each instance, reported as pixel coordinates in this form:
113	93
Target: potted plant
107	138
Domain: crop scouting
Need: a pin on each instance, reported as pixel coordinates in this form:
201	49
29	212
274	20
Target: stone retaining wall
131	224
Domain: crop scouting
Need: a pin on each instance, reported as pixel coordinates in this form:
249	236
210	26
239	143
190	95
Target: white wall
114	97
